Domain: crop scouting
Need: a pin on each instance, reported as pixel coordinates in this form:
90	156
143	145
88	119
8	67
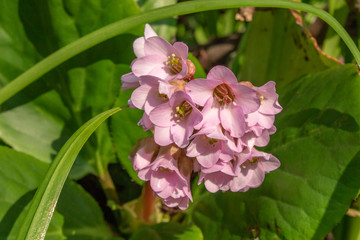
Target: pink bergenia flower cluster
208	126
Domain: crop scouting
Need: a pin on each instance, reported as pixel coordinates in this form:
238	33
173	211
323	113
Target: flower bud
191	70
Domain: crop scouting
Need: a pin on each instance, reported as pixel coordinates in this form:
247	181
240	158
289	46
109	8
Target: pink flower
208	146
257	136
147	95
143	153
218	177
130	80
251	167
224	100
175	120
169	177
157	57
269	106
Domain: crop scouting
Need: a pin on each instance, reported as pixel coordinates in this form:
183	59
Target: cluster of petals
208	126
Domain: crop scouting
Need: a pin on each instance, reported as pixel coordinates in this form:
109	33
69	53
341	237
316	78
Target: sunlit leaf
317	143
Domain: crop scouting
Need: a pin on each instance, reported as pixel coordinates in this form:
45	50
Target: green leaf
77	215
165	231
42	206
317	143
87	85
20	175
278	49
35	127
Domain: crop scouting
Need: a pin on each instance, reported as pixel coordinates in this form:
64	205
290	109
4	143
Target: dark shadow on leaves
347	184
13	213
330	118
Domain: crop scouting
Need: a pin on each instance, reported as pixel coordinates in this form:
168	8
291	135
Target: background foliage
317	142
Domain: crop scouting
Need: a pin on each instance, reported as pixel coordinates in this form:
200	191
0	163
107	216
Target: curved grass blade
43	204
182	8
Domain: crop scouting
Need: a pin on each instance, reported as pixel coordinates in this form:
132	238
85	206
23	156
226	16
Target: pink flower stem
148	205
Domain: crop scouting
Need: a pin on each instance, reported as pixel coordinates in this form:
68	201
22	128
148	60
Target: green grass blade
182	8
43	204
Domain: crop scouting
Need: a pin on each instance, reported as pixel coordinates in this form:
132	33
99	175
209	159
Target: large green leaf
164	231
318	144
35	127
276	48
87	84
43	204
77	215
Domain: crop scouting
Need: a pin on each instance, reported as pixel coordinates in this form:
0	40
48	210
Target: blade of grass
43	204
182	8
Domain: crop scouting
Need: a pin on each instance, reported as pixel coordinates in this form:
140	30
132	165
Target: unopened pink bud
247	83
179	84
191	70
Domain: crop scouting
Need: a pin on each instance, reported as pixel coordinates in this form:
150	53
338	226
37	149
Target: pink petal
232	119
146	65
223	74
138	47
162	136
180	135
201	90
196	147
270	104
226	153
210	114
247	98
182	49
158	182
145	122
142	159
149	32
158	46
195	118
255	177
140	95
262	140
270	107
211	186
184	203
252	118
153	101
145	174
162	115
266	121
210	158
129	81
271	164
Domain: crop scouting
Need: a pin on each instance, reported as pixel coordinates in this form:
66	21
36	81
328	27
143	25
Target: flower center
251	162
165	169
261	98
224	94
174	64
213	141
184	109
164	97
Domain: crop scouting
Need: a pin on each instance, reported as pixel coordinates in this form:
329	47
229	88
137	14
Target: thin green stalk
182	8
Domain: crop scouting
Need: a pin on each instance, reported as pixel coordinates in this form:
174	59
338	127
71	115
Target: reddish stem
148	205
